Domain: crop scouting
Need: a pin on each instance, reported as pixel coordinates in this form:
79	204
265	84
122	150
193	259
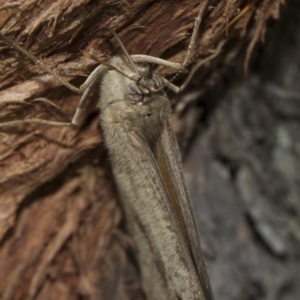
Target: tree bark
243	167
61	228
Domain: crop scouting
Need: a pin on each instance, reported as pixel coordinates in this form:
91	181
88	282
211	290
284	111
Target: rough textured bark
61	228
243	169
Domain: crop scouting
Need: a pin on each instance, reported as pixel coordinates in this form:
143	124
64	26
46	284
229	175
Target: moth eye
159	82
133	93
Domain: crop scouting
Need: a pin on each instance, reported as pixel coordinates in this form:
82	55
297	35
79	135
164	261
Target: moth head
149	79
141	90
145	82
154	84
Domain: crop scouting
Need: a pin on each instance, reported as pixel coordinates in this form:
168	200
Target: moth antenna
124	50
92	56
119	71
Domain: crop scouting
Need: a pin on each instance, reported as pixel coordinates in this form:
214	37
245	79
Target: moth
136	122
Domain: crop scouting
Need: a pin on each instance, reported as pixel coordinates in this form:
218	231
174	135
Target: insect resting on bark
136	121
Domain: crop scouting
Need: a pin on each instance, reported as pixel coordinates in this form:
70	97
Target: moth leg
83	89
178	89
194	34
87	86
90	82
95	74
74	121
155	60
39	63
93	77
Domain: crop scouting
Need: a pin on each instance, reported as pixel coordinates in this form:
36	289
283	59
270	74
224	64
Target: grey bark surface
243	170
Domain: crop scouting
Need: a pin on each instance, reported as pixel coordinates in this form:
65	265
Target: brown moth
136	121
